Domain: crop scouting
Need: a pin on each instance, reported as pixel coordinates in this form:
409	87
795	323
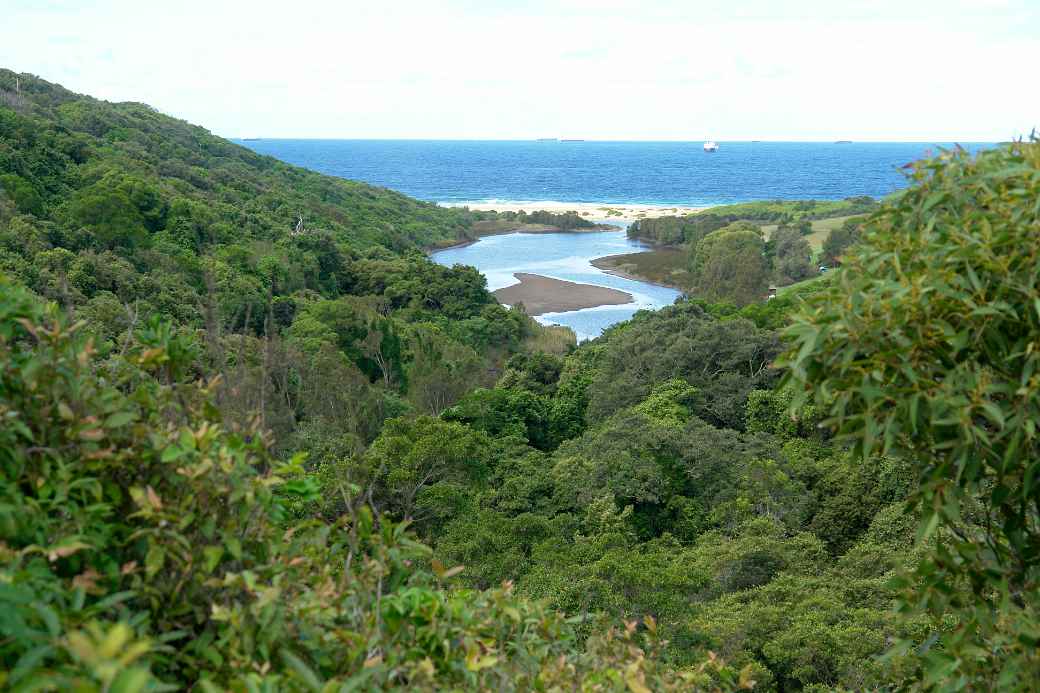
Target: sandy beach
547	295
593	211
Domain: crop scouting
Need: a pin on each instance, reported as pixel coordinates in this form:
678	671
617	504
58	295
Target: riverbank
593	211
541	295
661	266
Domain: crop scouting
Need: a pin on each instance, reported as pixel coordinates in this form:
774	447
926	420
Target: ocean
646	173
665	173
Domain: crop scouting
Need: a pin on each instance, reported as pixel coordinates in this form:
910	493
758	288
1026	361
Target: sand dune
593	211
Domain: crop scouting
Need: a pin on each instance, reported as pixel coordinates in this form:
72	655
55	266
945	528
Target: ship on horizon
711	146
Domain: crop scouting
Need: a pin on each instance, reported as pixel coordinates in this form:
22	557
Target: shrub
926	348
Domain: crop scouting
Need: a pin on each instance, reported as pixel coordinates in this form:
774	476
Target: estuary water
654	173
564	256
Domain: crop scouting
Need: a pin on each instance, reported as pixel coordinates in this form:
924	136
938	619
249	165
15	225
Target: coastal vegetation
560	221
932	364
255	440
798	236
730	264
688	229
539	221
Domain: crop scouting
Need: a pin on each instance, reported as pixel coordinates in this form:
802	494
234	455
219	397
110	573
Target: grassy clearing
771	210
820	229
551	339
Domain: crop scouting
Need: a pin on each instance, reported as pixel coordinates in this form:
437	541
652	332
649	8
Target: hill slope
59	142
120	213
160	211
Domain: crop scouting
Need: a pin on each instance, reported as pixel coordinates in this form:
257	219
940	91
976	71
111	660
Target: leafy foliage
730	265
924	349
214	452
143	542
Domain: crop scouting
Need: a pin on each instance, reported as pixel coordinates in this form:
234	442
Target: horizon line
565	140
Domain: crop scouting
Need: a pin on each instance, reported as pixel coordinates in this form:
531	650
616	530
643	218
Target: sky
815	70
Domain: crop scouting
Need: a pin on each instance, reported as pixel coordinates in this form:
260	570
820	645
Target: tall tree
730	265
840	240
792	260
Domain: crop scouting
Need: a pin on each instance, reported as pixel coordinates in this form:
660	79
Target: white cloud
606	69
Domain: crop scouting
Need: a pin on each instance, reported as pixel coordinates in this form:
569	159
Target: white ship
711	146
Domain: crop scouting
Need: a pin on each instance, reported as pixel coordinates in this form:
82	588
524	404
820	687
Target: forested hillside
254	440
119	214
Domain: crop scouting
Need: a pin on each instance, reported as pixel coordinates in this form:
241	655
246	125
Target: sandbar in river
547	295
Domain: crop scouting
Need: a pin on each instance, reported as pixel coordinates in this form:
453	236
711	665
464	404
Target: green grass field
552	339
820	229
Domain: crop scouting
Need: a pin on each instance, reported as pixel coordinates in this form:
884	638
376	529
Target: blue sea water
666	173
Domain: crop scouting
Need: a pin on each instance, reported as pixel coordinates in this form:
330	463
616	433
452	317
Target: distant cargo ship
548	139
711	146
565	140
251	139
843	142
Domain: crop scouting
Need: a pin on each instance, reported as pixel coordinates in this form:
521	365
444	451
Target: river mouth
567	258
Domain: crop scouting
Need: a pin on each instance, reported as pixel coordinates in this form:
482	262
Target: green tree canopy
926	348
792	256
730	265
839	240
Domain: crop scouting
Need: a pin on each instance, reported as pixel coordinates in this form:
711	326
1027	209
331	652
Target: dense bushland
182	501
243	453
291	279
144	543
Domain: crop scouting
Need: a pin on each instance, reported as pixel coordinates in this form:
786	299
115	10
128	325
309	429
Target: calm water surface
666	173
564	256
